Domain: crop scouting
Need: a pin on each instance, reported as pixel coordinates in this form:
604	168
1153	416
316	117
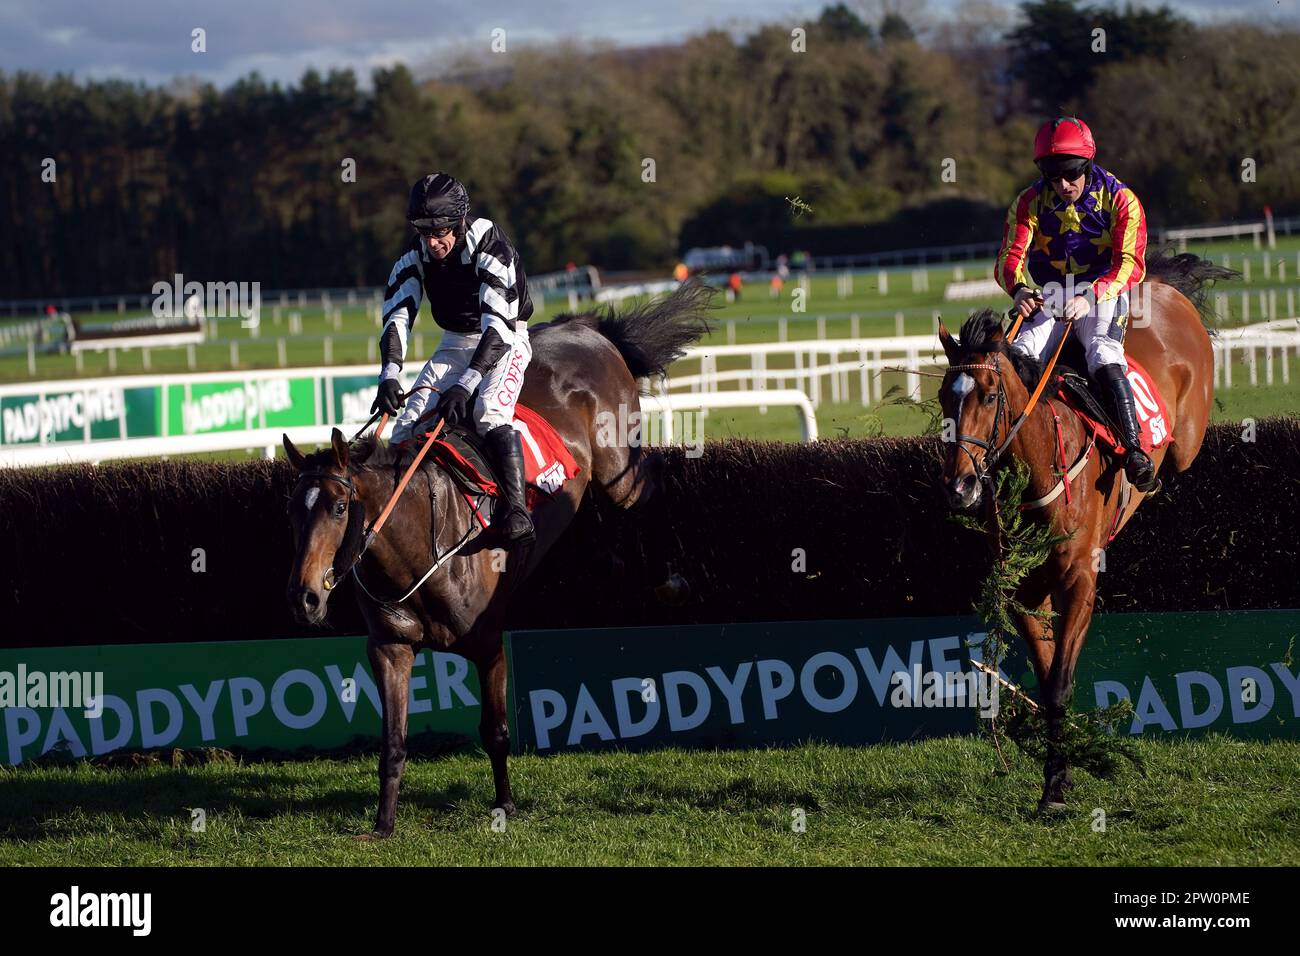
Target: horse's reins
331	579
992	450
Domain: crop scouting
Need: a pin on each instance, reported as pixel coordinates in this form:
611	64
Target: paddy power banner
850	682
161	406
284	695
763	684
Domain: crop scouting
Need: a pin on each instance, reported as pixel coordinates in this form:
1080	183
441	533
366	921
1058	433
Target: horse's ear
298	459
950	347
340	448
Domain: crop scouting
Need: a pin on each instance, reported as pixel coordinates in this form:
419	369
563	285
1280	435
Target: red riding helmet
1066	136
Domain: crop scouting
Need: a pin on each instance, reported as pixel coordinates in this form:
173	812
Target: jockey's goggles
433	228
1062	167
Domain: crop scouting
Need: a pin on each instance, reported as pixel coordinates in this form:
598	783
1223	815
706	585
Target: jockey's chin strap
993	450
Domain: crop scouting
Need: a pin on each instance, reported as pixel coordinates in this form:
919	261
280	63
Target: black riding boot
1137	464
510	518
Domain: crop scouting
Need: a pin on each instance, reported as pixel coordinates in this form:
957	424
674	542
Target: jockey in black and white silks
477	291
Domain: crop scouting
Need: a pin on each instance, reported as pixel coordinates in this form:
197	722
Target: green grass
1210	802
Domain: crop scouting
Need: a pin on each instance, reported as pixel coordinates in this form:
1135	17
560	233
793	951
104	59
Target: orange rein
1047	369
379	522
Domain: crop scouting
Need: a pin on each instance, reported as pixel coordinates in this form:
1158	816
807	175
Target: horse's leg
1039	640
1075	601
494	725
391	662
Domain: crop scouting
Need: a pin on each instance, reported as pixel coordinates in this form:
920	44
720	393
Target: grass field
1209	802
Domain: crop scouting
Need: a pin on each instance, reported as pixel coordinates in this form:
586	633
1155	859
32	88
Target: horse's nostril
310	600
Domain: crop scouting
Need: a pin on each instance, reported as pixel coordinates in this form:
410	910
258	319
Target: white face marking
310	498
961	386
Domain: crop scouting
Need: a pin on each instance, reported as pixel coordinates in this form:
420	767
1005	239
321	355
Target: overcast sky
151	39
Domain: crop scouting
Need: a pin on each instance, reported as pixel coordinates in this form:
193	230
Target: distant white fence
666	403
823	368
971	289
618	293
269	439
1252	229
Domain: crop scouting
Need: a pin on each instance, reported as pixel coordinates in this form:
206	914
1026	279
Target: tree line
625	157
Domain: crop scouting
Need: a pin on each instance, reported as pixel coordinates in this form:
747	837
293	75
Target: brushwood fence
103	555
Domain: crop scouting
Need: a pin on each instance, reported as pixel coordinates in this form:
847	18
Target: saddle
459	451
1080	394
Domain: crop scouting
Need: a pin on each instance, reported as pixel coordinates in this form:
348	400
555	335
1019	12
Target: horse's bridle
992	450
332	577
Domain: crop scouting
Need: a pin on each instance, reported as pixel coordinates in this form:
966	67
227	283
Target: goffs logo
509	390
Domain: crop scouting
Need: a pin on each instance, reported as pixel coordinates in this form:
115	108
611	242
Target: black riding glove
452	406
389	398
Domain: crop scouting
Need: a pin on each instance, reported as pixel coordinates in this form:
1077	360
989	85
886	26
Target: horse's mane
977	338
1189	274
367	453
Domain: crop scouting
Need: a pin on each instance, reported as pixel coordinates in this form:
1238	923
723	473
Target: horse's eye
339	508
990	398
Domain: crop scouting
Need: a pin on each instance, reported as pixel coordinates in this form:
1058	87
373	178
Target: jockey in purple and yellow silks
1079	234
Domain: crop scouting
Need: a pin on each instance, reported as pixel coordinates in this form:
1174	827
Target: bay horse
1168	338
583	371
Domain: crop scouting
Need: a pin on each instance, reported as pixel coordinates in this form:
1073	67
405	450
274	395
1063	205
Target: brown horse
1168	338
584	370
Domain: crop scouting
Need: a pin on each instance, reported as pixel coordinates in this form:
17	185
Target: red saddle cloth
1152	414
547	462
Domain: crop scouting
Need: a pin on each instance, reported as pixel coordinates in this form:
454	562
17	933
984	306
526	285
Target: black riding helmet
438	201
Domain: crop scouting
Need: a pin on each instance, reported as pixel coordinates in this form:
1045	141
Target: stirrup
1153	484
501	520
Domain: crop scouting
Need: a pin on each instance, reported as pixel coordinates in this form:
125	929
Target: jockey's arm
1022	222
402	300
1128	234
499	307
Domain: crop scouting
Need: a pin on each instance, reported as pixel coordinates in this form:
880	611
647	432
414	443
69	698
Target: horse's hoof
373	835
508	807
1051	807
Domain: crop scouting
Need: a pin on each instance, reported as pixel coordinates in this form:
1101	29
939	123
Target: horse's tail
653	335
1190	275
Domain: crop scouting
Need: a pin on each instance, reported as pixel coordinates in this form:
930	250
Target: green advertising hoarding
764	684
739	685
96	413
284	694
351	396
115	409
196	408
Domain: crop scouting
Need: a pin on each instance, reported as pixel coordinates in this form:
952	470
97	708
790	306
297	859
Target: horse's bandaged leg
441	371
499	392
1102	333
